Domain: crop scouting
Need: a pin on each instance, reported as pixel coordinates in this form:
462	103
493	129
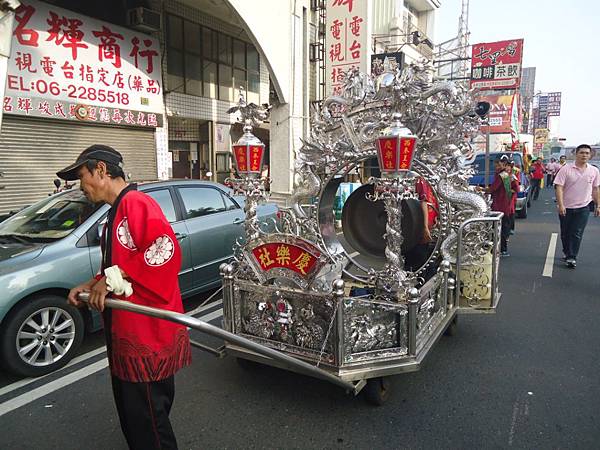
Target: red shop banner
497	65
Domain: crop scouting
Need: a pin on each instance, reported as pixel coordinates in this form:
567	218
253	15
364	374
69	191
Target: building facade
204	54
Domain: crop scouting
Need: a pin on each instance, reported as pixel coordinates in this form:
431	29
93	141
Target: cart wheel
378	390
452	329
246	364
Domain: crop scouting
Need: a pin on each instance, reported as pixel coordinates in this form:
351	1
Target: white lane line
549	265
45	389
26	381
55	385
204	308
354	255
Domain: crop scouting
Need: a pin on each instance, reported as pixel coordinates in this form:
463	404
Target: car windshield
479	163
50	219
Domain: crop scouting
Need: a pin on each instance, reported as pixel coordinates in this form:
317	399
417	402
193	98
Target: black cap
95	152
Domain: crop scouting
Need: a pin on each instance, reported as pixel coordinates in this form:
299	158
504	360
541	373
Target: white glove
115	282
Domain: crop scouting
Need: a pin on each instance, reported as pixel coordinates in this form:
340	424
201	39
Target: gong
364	223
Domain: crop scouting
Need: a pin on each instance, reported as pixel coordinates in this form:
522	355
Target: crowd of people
577	194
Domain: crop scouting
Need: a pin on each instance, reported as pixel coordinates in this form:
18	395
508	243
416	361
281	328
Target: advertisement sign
346	40
68	66
554	99
500	117
540	137
497	65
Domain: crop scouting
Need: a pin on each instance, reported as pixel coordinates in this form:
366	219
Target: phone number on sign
91	94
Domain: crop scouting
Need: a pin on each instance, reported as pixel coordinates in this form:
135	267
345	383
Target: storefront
74	81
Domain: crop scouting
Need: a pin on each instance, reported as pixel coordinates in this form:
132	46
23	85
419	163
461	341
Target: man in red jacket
141	260
537	175
502	190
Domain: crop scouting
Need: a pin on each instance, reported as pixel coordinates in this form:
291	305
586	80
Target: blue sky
562	39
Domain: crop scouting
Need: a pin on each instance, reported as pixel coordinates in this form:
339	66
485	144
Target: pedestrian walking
502	190
537	175
576	186
140	263
551	169
513	171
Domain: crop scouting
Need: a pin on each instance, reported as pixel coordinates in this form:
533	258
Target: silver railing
496	218
205	327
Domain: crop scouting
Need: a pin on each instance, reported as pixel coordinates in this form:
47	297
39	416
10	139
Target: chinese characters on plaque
285	256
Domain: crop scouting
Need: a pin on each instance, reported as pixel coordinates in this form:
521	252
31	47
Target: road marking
55	385
45	389
203	308
354	255
26	381
549	265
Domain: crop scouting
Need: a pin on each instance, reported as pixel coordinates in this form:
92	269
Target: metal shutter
32	151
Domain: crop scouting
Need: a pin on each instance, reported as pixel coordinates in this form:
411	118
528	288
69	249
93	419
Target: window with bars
204	62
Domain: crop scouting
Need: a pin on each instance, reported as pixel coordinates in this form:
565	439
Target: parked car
53	245
524	194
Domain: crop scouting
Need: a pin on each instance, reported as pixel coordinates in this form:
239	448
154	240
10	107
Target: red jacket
144	246
501	200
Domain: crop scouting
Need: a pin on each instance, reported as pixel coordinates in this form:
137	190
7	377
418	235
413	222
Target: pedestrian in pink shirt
576	184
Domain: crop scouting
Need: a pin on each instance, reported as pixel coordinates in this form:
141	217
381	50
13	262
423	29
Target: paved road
524	378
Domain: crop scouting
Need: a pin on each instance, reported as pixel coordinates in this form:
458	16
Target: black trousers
504	233
144	413
549	180
535	187
572	225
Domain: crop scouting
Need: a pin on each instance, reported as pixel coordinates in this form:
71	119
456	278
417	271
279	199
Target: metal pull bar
211	330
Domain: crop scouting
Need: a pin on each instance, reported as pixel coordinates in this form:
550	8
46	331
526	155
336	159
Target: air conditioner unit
143	19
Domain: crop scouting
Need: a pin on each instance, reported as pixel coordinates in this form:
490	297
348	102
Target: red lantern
249	158
395	152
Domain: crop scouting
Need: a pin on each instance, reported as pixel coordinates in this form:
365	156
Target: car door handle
238	221
180	236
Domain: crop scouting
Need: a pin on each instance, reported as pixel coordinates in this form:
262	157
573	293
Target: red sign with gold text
241	158
388	153
407	148
286	256
256	156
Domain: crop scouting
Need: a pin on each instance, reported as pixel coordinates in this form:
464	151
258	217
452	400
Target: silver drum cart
356	300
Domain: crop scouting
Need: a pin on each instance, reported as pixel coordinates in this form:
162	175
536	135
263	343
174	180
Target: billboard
346	40
503	114
68	66
497	65
554	99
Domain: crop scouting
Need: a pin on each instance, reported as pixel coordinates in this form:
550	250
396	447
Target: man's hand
97	295
597	211
562	211
73	293
426	235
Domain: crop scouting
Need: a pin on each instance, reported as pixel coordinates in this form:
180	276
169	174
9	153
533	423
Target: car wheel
40	336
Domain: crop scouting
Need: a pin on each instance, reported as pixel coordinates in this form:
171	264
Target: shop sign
57	109
497	65
554	99
63	58
500	115
346	40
